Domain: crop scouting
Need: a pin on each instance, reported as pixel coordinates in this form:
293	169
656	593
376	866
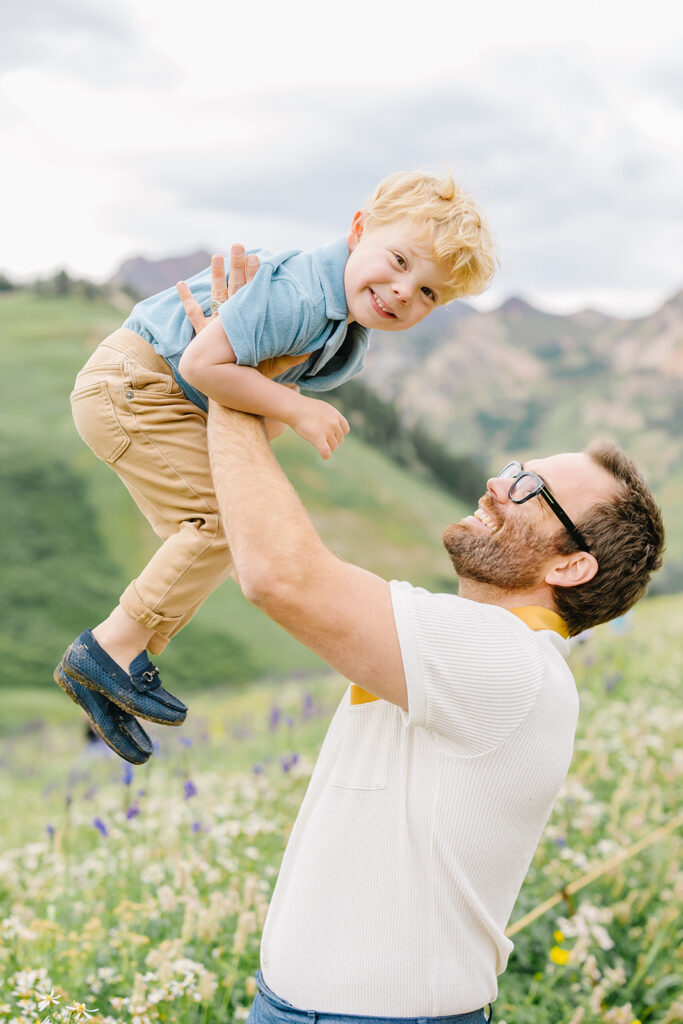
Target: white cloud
158	128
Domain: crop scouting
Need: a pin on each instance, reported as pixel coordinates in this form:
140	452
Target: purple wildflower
274	717
196	826
132	811
190	789
50	829
127	776
100	826
307	706
257	769
612	680
185	741
288	761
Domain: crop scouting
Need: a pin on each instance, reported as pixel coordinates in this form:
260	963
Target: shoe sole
64	681
119	701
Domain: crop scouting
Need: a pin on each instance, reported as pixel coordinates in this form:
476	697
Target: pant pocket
97	423
152	382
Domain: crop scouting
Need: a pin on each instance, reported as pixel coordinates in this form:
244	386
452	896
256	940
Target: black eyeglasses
526	484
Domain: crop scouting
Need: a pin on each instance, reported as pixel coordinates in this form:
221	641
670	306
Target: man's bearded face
509	557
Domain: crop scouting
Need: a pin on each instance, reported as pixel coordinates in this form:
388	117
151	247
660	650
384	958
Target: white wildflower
50	999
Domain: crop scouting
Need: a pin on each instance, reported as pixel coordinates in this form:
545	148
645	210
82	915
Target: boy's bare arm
208	363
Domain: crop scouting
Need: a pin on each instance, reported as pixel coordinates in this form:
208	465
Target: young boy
140	403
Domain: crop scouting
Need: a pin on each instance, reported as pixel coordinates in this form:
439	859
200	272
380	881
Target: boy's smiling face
391	283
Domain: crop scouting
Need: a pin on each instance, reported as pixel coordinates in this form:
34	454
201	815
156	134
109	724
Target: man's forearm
268	529
340	611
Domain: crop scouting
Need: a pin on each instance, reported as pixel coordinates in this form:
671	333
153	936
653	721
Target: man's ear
571	570
357	227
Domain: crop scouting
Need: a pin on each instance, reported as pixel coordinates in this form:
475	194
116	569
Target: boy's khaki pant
130	411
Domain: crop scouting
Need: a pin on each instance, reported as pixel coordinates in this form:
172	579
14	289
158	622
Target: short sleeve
268	317
473	671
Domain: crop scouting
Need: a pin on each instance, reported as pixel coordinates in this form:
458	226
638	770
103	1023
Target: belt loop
312	1016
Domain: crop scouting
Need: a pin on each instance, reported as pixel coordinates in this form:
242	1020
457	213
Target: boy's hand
219	289
320	423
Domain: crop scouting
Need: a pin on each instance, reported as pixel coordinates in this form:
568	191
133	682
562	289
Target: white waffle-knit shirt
417	829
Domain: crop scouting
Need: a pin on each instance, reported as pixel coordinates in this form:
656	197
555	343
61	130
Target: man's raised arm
340	611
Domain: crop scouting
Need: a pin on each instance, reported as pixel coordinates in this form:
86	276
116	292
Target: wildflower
127	776
47	1000
274	717
196	826
190	789
101	827
185	741
50	829
132	811
559	955
558	936
81	1010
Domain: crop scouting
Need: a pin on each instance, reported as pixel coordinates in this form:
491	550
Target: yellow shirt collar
537	617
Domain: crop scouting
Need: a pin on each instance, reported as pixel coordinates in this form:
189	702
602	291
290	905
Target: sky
157	129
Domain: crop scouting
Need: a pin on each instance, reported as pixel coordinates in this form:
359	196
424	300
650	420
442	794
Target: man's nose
498	487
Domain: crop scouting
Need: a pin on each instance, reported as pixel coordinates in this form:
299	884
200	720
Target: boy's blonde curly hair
447	221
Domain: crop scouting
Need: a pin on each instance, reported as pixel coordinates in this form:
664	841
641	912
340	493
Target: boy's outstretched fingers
195	313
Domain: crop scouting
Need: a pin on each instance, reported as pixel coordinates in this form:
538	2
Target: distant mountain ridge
146	277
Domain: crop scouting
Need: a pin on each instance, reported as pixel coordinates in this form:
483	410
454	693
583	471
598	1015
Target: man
445	756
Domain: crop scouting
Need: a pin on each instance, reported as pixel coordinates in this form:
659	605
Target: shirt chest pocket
362	760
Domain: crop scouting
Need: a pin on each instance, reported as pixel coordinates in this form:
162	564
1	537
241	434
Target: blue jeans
270	1009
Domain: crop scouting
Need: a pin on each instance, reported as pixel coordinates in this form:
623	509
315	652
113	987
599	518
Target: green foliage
57	575
379	423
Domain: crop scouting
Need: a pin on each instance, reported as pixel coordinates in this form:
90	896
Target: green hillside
72	537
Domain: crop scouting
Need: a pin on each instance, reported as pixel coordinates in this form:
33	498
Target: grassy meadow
138	895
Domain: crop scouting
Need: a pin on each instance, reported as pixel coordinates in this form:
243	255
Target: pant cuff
133	605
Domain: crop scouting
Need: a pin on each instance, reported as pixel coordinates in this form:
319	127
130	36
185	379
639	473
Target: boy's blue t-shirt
296	304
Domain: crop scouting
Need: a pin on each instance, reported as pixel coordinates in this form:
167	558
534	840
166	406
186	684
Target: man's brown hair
626	535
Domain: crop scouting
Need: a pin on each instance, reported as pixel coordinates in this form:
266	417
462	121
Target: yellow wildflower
558	936
559	956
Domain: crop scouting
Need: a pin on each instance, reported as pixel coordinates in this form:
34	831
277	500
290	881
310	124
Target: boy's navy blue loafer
139	693
117	728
